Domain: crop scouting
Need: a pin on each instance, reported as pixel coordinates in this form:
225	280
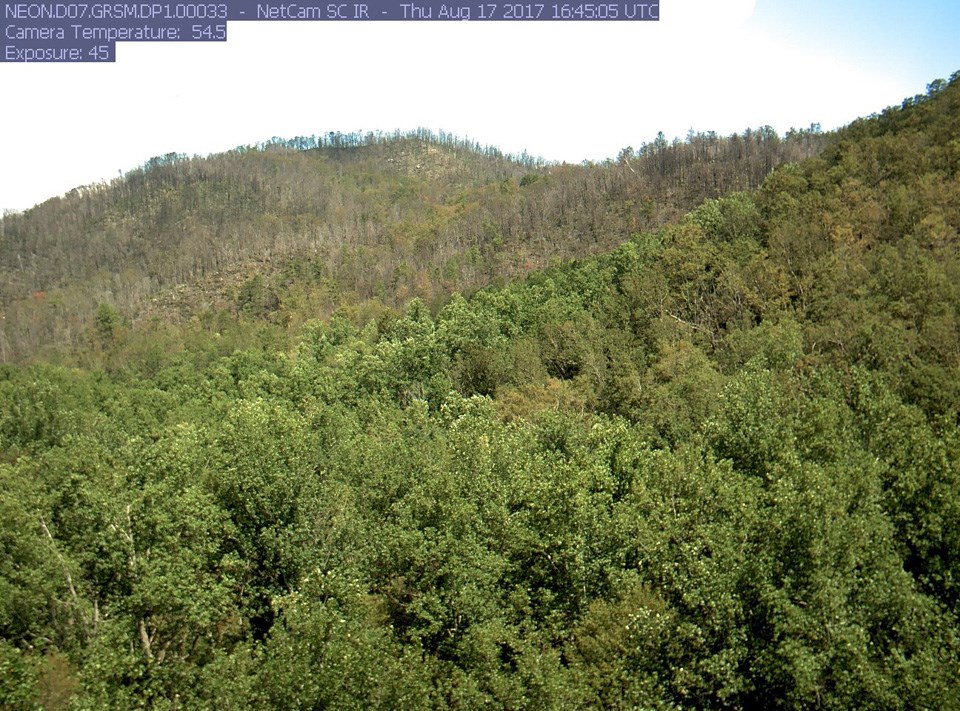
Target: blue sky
564	91
912	39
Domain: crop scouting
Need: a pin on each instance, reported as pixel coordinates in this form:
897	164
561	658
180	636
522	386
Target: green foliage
18	679
256	299
333	654
716	467
290	230
106	324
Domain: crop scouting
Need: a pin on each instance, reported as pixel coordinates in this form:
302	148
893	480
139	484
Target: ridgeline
400	422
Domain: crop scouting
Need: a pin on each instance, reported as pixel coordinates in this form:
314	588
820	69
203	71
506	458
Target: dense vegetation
717	466
364	217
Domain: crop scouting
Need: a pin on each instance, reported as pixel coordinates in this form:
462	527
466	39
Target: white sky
563	91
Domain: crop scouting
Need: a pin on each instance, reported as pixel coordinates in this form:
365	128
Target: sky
564	91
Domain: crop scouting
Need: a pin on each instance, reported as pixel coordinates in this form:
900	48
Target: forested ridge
716	465
384	217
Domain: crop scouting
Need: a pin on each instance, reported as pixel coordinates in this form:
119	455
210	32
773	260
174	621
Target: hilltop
715	466
384	217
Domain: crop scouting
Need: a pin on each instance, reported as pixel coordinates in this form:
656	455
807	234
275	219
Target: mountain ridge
714	467
421	208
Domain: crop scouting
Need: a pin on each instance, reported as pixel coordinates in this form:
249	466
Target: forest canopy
711	460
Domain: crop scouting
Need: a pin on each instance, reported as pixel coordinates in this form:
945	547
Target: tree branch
66	571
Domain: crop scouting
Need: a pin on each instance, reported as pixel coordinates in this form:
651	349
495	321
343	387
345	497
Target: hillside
370	217
715	466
